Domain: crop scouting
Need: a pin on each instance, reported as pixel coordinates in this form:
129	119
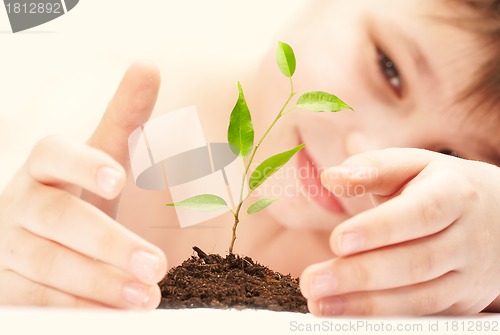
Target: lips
309	175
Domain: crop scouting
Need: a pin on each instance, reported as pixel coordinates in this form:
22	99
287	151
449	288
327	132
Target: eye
390	72
449	152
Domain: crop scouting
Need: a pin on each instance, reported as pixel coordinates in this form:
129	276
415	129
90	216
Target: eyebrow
421	62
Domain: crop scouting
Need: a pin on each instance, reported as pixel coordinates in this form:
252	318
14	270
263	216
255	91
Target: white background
58	77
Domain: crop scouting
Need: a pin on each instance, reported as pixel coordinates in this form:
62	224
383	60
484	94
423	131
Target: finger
130	107
422	209
381	172
427	298
467	306
60	161
69	221
24	292
400	265
55	266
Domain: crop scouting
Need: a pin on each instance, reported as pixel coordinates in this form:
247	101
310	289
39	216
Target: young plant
240	135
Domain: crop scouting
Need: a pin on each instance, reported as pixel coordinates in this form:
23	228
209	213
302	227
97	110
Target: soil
212	281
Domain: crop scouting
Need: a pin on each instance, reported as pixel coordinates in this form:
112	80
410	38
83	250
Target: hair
482	17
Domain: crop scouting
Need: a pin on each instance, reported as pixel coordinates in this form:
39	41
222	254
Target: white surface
212	321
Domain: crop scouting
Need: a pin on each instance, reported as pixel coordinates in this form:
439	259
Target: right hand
59	243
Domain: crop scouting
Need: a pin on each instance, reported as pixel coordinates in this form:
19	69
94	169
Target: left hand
430	246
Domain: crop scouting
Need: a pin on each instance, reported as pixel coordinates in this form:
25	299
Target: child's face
399	68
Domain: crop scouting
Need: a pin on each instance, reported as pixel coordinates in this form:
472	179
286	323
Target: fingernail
350	243
332	306
136	294
145	265
323	285
107	179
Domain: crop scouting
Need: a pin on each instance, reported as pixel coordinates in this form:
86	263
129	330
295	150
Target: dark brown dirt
213	281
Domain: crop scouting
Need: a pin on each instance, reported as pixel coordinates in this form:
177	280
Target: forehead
455	55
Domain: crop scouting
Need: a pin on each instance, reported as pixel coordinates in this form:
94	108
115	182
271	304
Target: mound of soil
213	281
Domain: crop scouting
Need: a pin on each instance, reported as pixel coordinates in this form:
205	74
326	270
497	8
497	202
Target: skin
63	250
422	226
434	194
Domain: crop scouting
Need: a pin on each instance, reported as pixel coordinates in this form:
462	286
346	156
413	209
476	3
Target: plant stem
235	225
280	114
236	214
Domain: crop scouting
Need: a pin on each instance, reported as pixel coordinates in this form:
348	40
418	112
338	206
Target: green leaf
321	102
202	202
260	205
240	133
270	166
286	59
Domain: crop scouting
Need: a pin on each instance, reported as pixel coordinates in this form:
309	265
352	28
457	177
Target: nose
357	142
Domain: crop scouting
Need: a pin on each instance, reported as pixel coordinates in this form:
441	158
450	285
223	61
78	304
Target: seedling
240	135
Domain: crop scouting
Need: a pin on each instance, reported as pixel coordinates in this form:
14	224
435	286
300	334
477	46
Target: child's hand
430	246
58	246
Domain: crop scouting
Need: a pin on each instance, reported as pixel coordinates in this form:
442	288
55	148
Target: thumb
130	107
380	172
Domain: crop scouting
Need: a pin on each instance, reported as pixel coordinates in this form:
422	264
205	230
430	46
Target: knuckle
98	287
420	265
40	296
431	210
44	260
457	180
469	194
359	274
424	304
52	212
105	287
43	296
363	307
106	242
42	147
